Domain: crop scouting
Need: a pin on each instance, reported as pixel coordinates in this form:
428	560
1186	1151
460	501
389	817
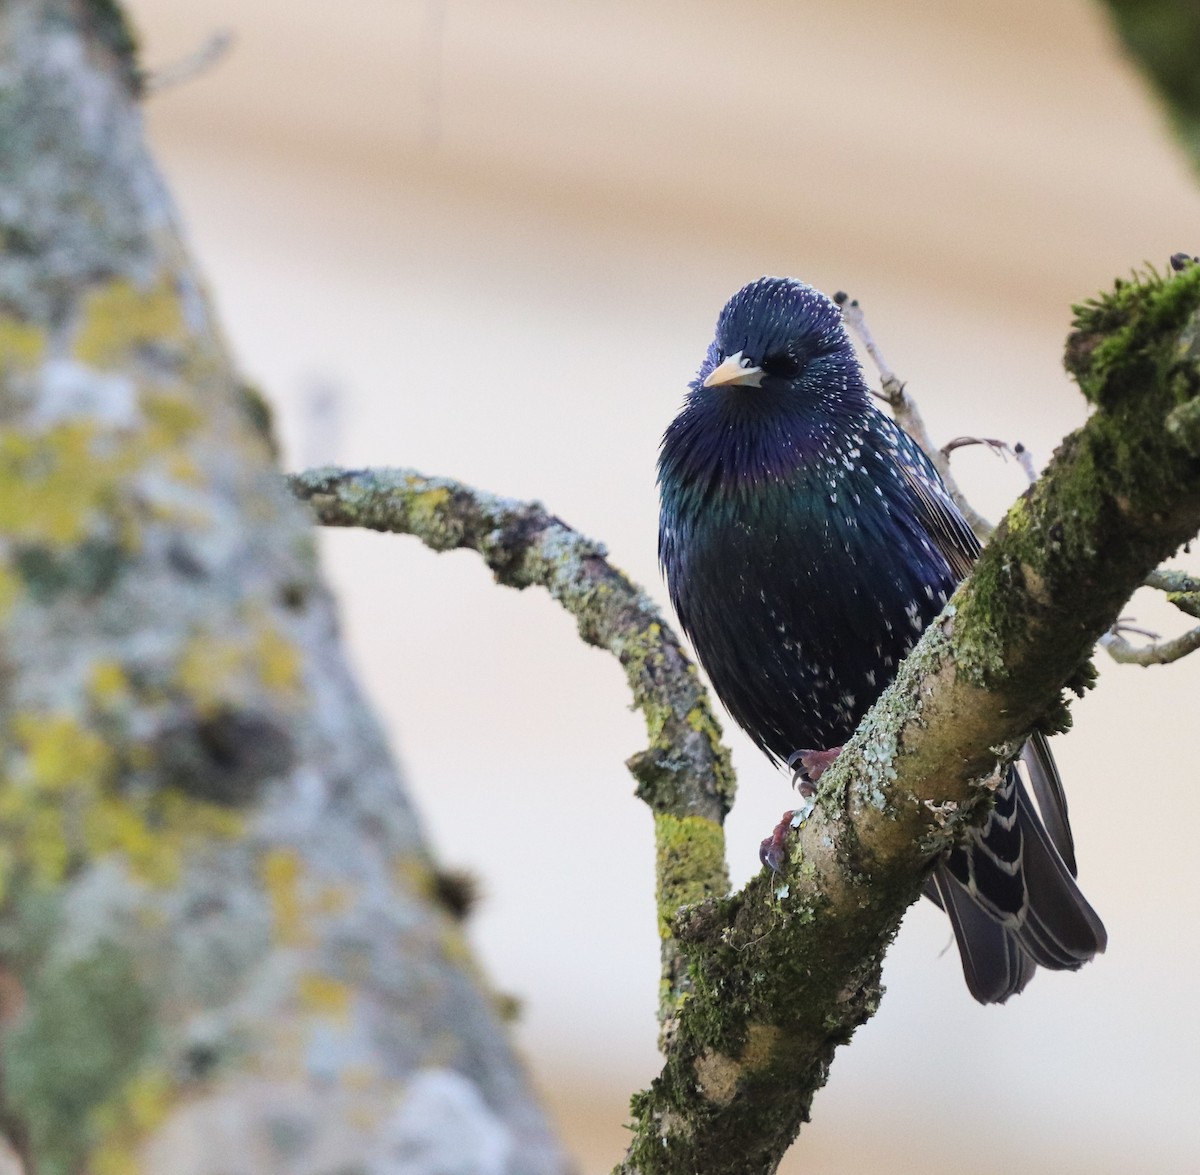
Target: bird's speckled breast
822	564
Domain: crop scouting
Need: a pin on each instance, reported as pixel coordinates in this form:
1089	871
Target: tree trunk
222	944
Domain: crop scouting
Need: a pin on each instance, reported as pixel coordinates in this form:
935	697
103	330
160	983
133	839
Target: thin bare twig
907	415
1025	460
1126	624
1157	653
190	67
1000	448
1182	590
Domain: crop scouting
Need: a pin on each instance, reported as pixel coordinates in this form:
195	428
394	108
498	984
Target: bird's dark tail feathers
1010	890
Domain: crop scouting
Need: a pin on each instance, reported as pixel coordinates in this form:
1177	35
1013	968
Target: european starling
807	542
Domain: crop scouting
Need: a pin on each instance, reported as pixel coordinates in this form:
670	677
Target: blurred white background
490	241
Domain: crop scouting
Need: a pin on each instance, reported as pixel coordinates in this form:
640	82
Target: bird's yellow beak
736	370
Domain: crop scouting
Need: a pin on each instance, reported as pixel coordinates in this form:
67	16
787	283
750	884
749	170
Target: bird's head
779	334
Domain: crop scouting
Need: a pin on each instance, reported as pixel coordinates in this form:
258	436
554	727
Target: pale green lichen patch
425	509
10	590
215	672
172	417
123	1123
277	659
323	995
281	871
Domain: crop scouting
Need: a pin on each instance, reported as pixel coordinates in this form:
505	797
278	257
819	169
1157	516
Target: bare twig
1157	653
190	67
1182	590
1000	448
907	414
1126	624
1025	459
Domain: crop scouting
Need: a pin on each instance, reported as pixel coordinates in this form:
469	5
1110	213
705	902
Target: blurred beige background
498	235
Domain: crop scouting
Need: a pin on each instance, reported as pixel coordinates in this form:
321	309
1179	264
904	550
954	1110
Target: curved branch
1183	591
685	774
1156	653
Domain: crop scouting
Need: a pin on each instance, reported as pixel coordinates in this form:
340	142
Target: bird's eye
782	363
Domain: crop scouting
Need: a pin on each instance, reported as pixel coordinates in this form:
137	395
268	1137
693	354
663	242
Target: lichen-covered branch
685	774
1182	589
220	937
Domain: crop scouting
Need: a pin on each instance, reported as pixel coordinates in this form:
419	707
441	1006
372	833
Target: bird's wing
993	963
936	509
1047	787
1007	887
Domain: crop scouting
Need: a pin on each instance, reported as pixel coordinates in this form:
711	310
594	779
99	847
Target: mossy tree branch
784	971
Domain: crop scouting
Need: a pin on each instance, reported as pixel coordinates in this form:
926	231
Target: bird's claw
807	767
773	851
